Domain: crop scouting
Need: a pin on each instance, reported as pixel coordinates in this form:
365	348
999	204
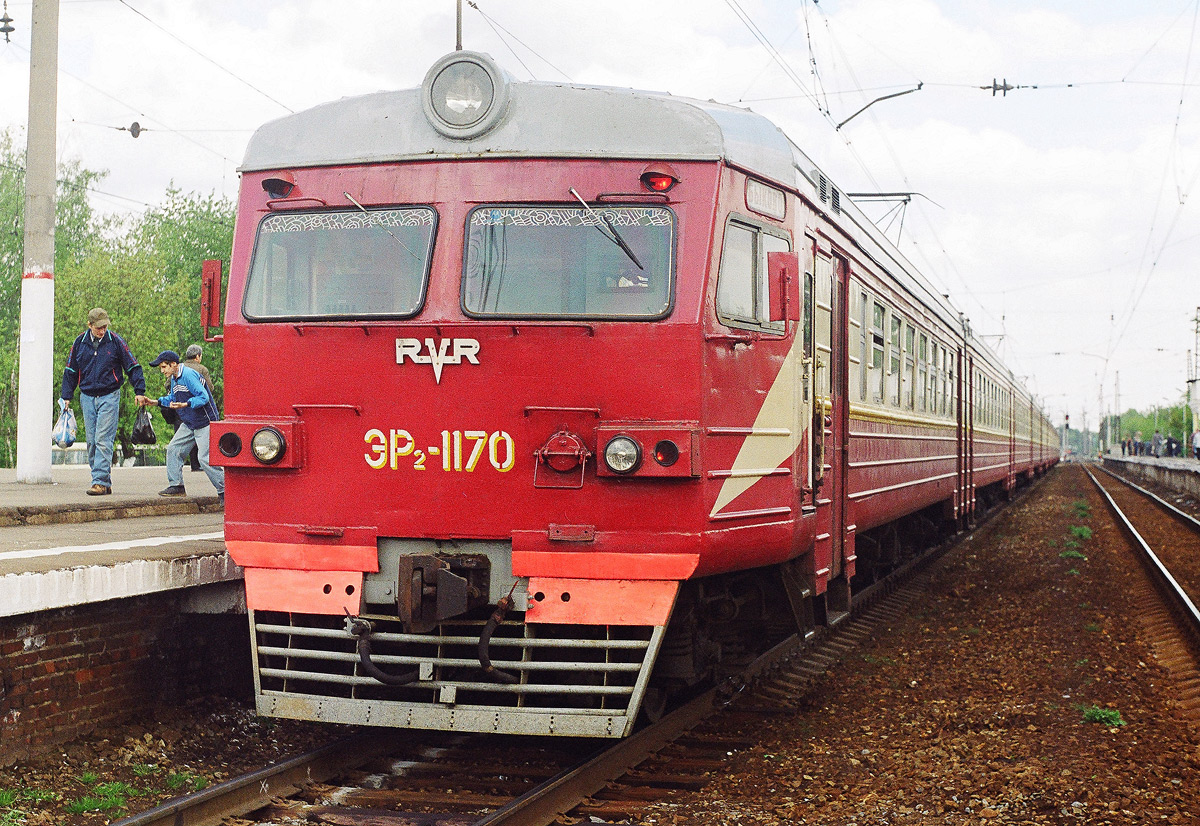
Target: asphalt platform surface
134	493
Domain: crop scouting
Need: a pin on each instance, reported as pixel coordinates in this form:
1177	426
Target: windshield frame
671	274
357	317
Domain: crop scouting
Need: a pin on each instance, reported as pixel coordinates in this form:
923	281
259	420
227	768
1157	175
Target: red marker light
659	177
666	453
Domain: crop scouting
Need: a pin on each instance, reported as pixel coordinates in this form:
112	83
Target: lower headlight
230	444
268	445
622	454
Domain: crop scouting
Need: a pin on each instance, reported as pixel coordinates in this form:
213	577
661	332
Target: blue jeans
177	454
100	423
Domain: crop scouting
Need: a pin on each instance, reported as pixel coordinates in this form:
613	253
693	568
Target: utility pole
1117	405
34	412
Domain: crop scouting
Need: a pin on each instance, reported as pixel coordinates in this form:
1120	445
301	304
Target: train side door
829	429
966	446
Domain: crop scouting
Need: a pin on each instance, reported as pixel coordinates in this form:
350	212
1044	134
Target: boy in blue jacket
95	365
187	394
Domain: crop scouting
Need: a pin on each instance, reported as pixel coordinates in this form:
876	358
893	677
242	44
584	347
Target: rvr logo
446	351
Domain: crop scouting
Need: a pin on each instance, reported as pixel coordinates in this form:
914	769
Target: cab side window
743	285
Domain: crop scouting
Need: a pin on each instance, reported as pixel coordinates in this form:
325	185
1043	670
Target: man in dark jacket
187	394
95	365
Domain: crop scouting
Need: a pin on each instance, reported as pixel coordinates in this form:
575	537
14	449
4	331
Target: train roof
560	120
540	120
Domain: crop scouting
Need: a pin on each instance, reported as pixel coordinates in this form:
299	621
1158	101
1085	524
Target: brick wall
66	672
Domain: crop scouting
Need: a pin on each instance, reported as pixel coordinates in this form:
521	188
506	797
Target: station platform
1175	472
60	547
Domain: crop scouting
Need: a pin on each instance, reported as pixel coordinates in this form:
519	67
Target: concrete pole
35	392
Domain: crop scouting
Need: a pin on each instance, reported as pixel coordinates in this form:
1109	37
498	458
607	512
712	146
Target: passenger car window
562	262
340	264
743	288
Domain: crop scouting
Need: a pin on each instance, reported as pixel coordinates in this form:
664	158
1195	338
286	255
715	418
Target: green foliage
1105	716
89	778
1082	509
144	769
1071	554
1081	532
1092	627
1171	421
144	270
13	817
1073	572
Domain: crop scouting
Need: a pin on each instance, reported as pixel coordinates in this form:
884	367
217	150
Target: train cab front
462	445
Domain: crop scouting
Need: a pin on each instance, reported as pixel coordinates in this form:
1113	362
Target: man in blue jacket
187	394
95	365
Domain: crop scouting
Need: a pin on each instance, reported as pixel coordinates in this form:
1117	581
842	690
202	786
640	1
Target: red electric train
546	401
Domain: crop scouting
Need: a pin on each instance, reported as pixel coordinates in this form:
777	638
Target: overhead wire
203	56
496	27
1138	292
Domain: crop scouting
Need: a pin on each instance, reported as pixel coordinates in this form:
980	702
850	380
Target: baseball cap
97	316
165	355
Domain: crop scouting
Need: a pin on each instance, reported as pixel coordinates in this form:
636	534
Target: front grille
307	666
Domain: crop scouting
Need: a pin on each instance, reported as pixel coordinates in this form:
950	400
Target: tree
75	226
145	271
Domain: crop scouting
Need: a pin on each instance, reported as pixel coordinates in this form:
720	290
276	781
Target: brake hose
502	608
361	629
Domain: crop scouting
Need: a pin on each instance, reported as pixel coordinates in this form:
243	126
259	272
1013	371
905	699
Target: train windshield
341	264
566	262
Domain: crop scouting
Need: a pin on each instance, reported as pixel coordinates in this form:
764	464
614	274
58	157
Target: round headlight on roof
465	94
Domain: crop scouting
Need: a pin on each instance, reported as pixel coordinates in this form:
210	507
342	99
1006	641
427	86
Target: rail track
1166	542
439	779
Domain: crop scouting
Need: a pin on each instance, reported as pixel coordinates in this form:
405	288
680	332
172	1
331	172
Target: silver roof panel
543	120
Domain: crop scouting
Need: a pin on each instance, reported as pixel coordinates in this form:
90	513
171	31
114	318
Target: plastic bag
143	429
64	428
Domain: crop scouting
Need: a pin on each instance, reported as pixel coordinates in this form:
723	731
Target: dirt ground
975	708
972	710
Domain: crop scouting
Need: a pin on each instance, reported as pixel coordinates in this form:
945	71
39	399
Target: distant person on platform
187	394
191	358
97	364
1156	444
1196	445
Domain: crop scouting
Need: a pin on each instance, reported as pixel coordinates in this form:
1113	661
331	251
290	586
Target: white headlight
268	445
622	454
465	94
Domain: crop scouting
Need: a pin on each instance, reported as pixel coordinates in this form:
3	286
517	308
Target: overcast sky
1058	218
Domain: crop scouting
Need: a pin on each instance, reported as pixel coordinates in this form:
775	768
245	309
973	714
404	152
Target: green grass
177	780
144	769
1073	572
13	817
1081	532
1105	716
1082	510
1092	626
1071	554
7	797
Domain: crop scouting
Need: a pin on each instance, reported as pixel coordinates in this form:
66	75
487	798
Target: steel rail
248	792
1186	517
1179	600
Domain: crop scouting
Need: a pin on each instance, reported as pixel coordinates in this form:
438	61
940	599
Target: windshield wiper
611	232
385	229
